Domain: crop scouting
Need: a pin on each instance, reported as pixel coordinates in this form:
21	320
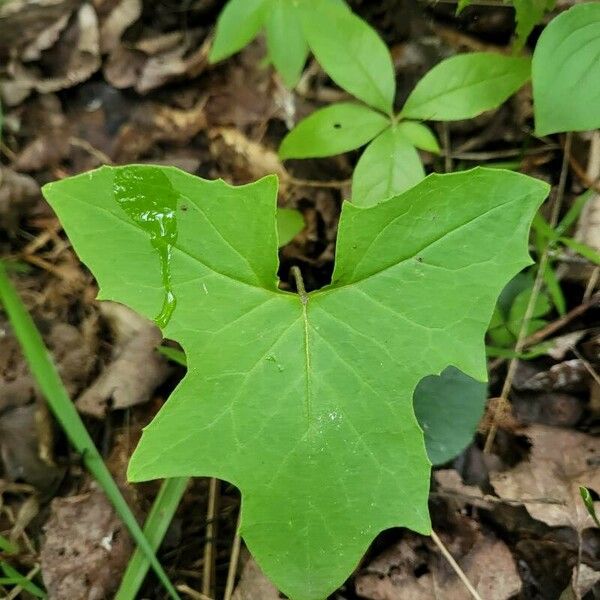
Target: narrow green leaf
464	86
238	24
290	223
566	72
582	249
7	546
350	52
588	501
294	397
286	43
419	135
573	213
462	4
14	577
455	398
49	382
155	528
332	130
389	166
554	289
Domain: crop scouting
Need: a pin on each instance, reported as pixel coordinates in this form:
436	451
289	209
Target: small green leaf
350	52
566	72
554	290
464	86
286	43
290	223
582	249
419	135
389	166
455	398
528	14
588	501
7	546
305	401
332	130
462	4
238	24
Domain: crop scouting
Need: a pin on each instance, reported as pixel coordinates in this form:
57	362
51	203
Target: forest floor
114	82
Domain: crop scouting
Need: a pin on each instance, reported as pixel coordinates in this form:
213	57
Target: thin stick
447	148
208	568
233	561
537	286
455	566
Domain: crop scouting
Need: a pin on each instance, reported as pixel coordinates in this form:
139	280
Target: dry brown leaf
136	370
560	461
114	25
85	549
248	159
413	570
71	60
254	585
18	193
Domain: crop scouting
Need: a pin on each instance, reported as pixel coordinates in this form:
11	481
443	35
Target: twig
447	148
188	591
537	286
342	183
208	568
233	561
455	566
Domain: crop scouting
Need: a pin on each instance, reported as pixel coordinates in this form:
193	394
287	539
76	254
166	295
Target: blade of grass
13	577
583	249
46	375
157	523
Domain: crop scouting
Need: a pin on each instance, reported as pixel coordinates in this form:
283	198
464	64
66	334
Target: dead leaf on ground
414	570
72	59
115	22
254	584
560	461
85	549
18	194
136	370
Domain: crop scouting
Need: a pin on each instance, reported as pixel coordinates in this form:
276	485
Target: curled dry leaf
560	461
136	370
85	550
247	159
152	123
116	21
71	60
413	570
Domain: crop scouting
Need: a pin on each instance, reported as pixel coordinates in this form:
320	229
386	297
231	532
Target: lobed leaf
566	72
332	130
350	52
304	402
389	166
464	86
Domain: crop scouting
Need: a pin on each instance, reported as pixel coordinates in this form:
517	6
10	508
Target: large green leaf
304	402
566	72
287	46
238	24
350	52
389	166
464	86
332	130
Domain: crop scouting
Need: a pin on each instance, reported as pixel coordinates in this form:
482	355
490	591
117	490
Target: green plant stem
48	379
157	523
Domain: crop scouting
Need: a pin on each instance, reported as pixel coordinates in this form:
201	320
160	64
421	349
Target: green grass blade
46	375
13	577
7	546
583	249
156	525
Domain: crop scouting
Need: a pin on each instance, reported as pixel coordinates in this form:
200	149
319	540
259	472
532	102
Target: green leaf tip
306	403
